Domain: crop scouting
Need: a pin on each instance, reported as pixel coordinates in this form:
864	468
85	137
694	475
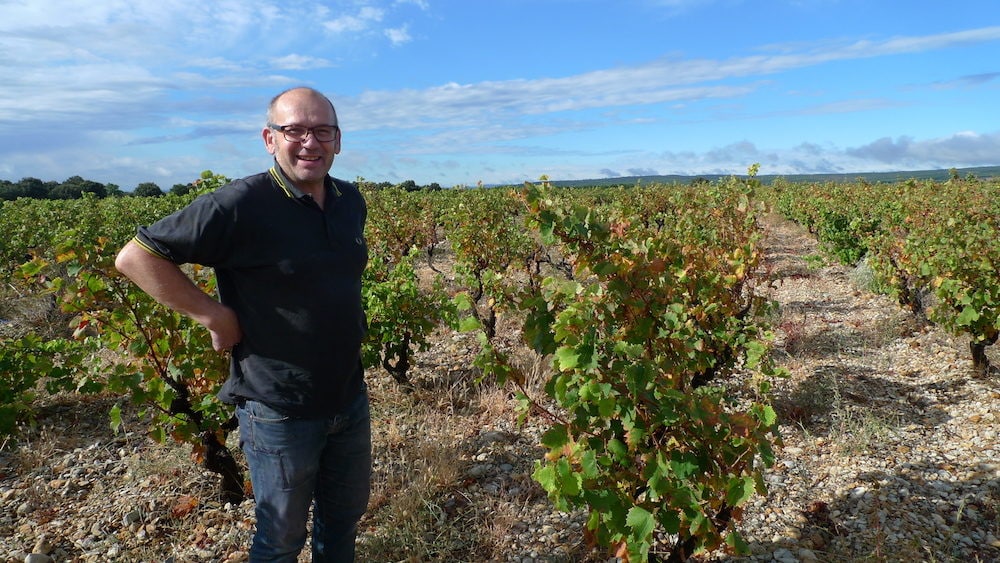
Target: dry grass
424	443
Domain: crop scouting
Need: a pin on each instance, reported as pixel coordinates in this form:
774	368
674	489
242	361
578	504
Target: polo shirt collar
292	191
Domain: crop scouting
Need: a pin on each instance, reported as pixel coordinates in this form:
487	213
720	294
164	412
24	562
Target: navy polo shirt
292	272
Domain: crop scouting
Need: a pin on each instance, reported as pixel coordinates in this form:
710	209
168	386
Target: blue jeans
295	463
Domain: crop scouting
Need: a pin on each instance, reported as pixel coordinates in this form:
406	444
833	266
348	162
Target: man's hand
225	329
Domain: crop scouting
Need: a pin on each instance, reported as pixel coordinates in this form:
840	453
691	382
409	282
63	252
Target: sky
458	92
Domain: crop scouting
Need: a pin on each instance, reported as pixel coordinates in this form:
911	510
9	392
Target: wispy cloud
398	36
880	155
968	81
656	82
364	19
851	106
299	62
90	81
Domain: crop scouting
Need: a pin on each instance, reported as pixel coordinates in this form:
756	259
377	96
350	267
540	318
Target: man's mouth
309	158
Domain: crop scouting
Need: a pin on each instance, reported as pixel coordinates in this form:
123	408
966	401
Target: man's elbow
125	261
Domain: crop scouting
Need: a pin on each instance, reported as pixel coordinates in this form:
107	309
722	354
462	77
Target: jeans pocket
265	428
260	411
282	451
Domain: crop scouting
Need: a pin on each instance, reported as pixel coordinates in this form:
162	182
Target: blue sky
501	91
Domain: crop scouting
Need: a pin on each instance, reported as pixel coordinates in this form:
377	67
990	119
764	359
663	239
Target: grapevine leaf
739	491
567	357
670	521
737	543
683	465
767	415
968	316
618	448
641	522
589	465
569	481
556	437
545	476
469	324
606	407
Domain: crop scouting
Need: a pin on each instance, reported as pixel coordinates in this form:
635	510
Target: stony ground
889	454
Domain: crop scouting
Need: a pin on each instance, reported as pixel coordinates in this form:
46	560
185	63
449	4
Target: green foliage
23	361
931	245
648	339
402	315
399	223
76	187
402	312
147	189
168	357
950	248
164	360
493	252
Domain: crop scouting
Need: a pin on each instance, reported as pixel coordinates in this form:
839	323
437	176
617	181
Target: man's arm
167	284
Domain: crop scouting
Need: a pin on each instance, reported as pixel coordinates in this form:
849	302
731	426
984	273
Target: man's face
307	161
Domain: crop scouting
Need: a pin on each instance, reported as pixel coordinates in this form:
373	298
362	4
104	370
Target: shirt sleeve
198	234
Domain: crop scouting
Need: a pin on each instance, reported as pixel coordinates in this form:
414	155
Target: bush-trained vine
127	344
493	251
402	315
659	370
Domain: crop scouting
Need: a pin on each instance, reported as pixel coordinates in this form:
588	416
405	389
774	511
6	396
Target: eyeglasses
298	134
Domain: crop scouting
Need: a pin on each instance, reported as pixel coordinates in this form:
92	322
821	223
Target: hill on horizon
872	177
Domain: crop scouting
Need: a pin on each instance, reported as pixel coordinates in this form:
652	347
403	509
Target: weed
815	261
855	428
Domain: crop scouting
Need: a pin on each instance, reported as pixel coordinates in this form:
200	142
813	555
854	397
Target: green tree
75	186
181	189
35	188
10	191
147	189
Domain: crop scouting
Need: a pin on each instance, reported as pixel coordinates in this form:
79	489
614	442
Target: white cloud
674	7
657	82
362	21
398	36
968	81
851	106
963	149
299	62
422	4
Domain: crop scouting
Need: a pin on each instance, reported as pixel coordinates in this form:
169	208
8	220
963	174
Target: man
288	251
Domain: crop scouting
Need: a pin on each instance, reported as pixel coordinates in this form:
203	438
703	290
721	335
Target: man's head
303	134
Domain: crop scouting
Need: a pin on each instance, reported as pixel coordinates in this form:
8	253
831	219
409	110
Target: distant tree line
407	185
75	186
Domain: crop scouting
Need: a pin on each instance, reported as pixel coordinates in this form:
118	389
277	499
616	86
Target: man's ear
268	135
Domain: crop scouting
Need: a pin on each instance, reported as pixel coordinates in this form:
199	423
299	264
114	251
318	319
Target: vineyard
618	360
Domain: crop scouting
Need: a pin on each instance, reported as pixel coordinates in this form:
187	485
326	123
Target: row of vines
643	302
934	246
